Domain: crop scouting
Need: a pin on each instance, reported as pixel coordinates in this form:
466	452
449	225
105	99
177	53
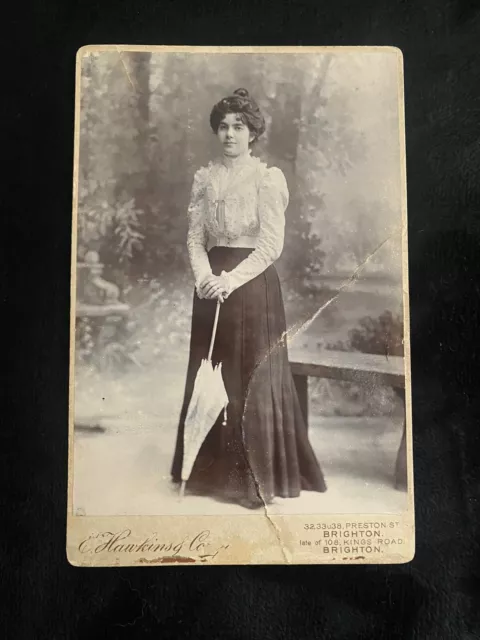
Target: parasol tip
182	490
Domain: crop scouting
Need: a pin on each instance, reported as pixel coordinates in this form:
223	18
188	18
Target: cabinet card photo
240	364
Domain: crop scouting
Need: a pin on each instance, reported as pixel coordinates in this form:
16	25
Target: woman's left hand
214	287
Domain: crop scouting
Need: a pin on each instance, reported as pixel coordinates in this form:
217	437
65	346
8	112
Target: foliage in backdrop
143	133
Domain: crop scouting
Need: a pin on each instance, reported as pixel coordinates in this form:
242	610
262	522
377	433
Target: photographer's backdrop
333	129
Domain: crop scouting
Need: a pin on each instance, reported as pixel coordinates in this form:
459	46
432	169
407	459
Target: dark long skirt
263	450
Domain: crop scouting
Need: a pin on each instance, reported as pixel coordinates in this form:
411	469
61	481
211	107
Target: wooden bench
361	368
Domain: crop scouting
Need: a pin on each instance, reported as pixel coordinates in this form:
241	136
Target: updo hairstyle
241	103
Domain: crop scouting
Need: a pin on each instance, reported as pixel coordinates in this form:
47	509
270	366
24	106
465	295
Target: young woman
236	232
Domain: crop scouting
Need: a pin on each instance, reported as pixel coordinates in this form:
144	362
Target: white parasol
209	397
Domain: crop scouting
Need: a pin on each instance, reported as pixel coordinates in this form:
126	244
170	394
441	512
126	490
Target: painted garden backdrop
332	127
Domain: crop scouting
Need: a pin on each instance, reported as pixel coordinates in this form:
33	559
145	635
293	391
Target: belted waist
242	242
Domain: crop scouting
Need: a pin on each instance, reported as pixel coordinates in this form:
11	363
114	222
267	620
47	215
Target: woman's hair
239	102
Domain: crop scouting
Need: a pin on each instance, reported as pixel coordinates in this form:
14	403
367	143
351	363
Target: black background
435	596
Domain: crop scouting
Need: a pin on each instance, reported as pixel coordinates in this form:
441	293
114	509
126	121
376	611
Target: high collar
239	161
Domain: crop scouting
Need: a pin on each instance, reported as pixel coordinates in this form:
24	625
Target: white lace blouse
242	205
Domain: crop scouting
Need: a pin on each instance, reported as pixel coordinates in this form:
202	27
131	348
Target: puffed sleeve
273	199
197	235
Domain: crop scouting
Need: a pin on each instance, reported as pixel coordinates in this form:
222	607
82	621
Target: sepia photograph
239	286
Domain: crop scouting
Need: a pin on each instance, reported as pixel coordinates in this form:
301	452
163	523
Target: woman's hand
213	288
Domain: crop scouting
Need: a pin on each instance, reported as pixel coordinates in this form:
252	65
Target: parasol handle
214	331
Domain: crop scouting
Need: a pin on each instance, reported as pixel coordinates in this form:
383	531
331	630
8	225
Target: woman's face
234	135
